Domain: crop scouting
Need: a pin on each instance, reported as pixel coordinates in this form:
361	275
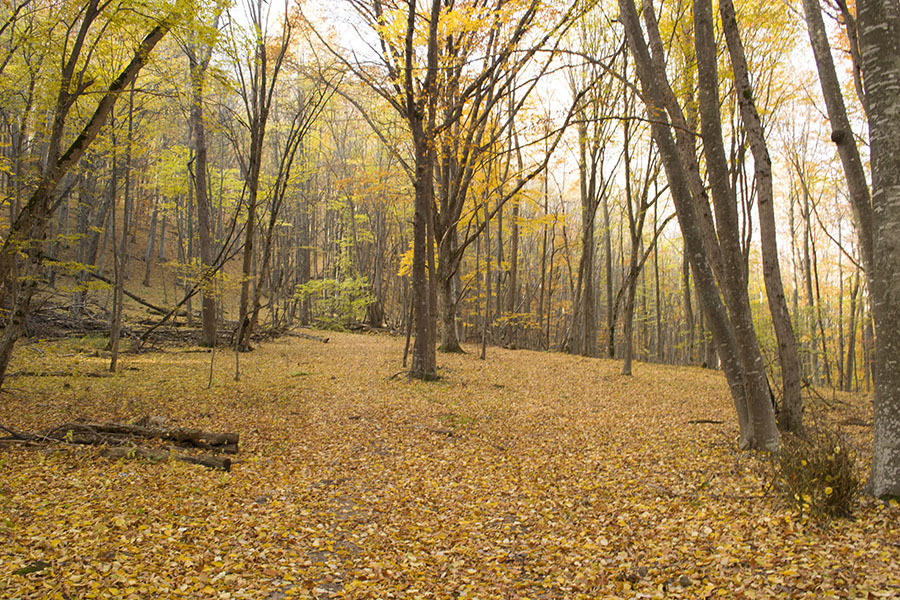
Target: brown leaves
531	475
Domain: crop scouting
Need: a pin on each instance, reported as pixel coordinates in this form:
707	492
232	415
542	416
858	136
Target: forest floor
529	475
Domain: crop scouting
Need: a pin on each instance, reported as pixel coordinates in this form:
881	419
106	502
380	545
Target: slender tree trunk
512	291
628	314
543	294
755	415
163	220
446	269
584	336
791	416
120	258
634	234
198	66
485	322
660	347
850	369
499	297
608	283
688	309
151	239
820	321
841	132
734	279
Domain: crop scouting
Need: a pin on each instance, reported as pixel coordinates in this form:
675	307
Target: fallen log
208	460
119	434
120	438
57	374
306	336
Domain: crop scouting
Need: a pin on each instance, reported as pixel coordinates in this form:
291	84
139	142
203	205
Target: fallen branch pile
122	440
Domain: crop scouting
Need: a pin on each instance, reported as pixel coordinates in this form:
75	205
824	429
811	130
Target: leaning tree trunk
760	431
791	416
734	280
841	132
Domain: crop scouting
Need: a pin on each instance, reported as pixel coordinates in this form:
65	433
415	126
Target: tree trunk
628	314
486	315
120	258
850	369
151	239
446	269
423	364
584	337
755	416
841	132
879	39
791	416
198	66
688	310
734	279
635	237
608	284
512	290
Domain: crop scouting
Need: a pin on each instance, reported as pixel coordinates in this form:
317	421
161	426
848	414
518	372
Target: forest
449	298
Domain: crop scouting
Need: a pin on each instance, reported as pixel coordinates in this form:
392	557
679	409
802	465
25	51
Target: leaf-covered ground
530	475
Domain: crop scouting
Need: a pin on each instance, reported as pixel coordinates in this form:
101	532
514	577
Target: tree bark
734	279
757	423
879	40
791	416
149	258
420	115
850	369
198	66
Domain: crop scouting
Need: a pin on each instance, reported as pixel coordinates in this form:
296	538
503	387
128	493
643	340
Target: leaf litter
529	475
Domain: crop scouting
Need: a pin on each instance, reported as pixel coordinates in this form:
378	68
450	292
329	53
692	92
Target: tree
740	355
595	129
257	74
29	229
879	41
876	211
199	53
791	416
